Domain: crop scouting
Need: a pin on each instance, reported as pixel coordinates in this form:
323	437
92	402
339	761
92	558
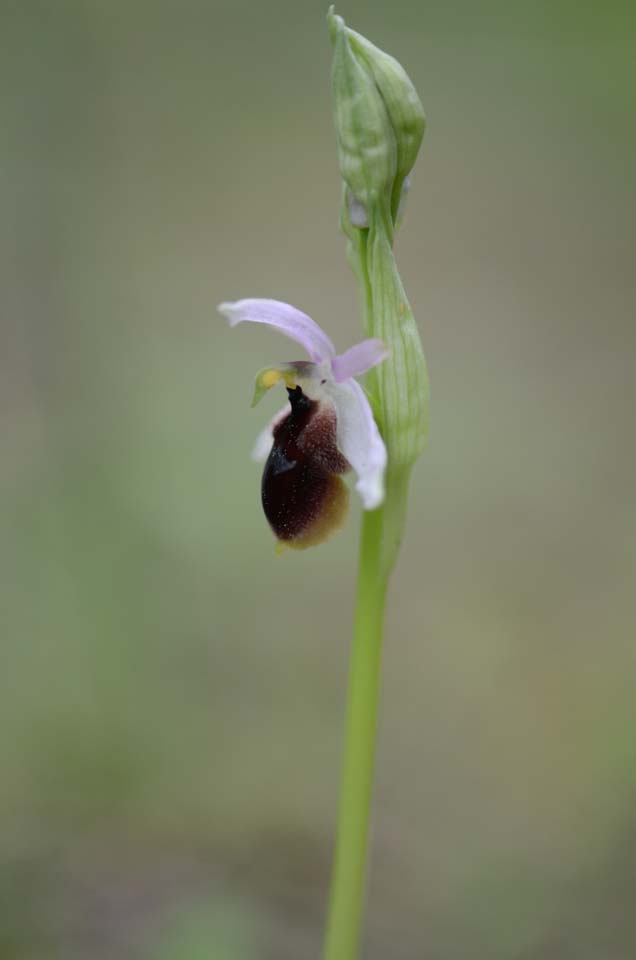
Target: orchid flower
325	429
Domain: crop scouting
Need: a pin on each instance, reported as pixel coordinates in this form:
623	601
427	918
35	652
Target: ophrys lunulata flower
326	428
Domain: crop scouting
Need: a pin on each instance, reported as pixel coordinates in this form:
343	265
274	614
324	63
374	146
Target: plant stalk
349	869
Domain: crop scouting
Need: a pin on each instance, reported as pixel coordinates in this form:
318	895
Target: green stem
348	882
379	543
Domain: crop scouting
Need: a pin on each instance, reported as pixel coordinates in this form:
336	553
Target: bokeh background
171	692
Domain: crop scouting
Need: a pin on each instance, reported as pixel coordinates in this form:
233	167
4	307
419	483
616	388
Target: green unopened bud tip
379	118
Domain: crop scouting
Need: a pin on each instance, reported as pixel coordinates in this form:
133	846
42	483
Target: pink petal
290	321
359	440
359	359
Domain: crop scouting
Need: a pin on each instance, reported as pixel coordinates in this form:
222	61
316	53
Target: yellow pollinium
268	378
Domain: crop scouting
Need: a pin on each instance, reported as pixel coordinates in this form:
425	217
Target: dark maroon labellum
304	497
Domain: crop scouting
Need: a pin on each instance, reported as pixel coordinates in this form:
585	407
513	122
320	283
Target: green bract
402	382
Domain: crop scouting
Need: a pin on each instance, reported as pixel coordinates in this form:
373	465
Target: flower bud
403	106
366	145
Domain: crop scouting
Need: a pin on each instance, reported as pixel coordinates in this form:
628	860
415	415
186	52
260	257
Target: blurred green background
171	692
